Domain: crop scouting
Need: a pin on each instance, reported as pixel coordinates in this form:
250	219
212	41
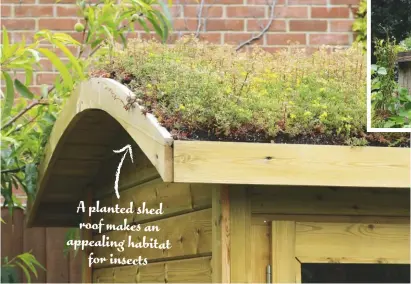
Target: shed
404	76
233	212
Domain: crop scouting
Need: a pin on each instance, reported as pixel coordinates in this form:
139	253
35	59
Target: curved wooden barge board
98	100
94	116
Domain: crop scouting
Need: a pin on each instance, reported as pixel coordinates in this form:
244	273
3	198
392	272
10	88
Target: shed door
345	252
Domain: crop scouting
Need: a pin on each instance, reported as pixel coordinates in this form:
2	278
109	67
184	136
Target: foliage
198	89
391	104
26	262
405	45
28	119
392	17
360	24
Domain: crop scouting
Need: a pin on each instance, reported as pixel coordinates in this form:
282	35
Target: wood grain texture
195	270
177	198
283	251
285	164
329	201
404	56
220	234
260	251
379	242
240	238
57	266
189	235
105	99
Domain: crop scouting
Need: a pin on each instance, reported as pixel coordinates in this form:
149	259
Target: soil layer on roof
199	91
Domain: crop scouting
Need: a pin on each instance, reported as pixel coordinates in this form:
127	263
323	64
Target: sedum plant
201	91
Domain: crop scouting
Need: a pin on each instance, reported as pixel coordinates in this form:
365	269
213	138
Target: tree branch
247	42
200	17
26	109
16	170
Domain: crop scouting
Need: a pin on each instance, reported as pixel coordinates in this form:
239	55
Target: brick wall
310	22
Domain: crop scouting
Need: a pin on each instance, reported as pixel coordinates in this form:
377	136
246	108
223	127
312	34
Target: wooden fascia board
291	164
111	97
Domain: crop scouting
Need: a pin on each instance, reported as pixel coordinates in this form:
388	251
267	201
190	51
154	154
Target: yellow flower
323	116
292	116
149	86
307	113
182	107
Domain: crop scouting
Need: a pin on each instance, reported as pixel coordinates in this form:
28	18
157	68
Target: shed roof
94	122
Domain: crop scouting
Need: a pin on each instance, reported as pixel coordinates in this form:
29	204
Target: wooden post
240	235
221	235
87	235
404	76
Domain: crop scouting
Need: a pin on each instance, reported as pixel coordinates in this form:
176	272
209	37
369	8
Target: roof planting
207	92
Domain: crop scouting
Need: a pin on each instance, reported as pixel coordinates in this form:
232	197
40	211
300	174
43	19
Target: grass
202	91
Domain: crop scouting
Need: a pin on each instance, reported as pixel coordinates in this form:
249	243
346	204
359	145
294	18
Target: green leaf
8	104
389	124
6	43
23	90
74	61
65	74
31	178
26	272
143	24
157	28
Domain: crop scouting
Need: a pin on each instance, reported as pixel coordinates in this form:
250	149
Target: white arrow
126	149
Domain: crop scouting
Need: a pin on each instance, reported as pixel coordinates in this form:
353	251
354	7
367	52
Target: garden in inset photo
391	64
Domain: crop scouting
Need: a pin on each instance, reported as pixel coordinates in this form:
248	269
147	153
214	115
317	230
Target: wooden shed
233	212
404	74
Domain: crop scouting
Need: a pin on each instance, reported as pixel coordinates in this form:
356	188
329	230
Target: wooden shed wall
404	76
186	222
257	206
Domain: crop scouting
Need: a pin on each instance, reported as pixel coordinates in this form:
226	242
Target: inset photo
389	98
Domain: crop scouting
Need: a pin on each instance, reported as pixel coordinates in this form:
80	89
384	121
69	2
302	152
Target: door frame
293	242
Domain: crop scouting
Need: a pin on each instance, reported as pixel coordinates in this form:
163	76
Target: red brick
45	78
207	12
59	2
184	24
33	11
285	39
210	37
57	24
19	24
215	2
245	12
308	25
18	37
22	2
258	25
265	2
307	2
345	2
5	11
225	25
45	65
291	12
237	38
335	12
329	39
67	11
341	25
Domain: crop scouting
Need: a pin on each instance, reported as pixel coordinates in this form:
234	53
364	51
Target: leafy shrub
391	104
203	91
406	44
360	24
